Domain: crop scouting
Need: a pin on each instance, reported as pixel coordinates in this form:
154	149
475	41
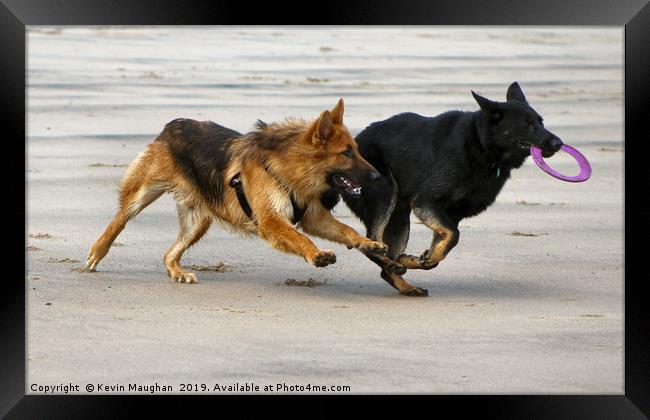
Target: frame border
15	15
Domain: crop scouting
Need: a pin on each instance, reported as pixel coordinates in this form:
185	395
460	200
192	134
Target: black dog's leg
388	221
396	236
374	208
404	287
445	236
396	280
396	233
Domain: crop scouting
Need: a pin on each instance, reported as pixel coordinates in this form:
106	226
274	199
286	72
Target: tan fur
268	176
444	239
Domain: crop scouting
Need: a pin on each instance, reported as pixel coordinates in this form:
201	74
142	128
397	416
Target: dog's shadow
368	286
441	288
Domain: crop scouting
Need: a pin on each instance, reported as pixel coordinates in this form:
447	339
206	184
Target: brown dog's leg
137	192
284	237
318	221
271	208
194	223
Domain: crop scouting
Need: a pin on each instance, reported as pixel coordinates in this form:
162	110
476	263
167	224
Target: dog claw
186	278
91	263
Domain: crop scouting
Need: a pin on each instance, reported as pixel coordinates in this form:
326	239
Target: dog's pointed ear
515	93
323	128
337	113
490	108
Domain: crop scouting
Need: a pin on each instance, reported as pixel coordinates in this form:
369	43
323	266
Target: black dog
444	169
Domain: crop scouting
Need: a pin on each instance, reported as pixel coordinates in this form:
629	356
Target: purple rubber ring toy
585	168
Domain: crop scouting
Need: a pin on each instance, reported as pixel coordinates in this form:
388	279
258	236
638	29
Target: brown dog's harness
236	183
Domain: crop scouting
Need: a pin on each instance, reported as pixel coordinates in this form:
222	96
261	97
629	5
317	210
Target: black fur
329	198
449	167
200	148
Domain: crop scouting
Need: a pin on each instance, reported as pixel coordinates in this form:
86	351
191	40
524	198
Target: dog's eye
349	152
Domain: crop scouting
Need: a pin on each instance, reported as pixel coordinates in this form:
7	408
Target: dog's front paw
324	258
373	247
427	262
428	265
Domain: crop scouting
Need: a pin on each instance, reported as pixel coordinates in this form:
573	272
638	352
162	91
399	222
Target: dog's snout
374	175
555	143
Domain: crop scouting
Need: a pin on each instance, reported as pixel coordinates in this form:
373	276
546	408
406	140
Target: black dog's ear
515	93
490	108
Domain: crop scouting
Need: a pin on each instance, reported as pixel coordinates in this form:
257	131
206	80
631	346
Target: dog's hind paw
91	262
96	254
324	258
184	277
415	291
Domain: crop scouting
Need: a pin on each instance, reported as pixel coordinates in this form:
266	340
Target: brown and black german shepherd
262	183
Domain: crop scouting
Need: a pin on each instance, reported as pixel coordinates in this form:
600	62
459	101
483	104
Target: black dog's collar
498	169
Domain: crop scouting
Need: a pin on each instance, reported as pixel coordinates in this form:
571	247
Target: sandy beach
530	301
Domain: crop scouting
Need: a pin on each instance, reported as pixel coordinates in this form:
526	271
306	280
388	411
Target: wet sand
530	301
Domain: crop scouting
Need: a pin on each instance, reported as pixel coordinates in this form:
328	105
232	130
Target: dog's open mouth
347	185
